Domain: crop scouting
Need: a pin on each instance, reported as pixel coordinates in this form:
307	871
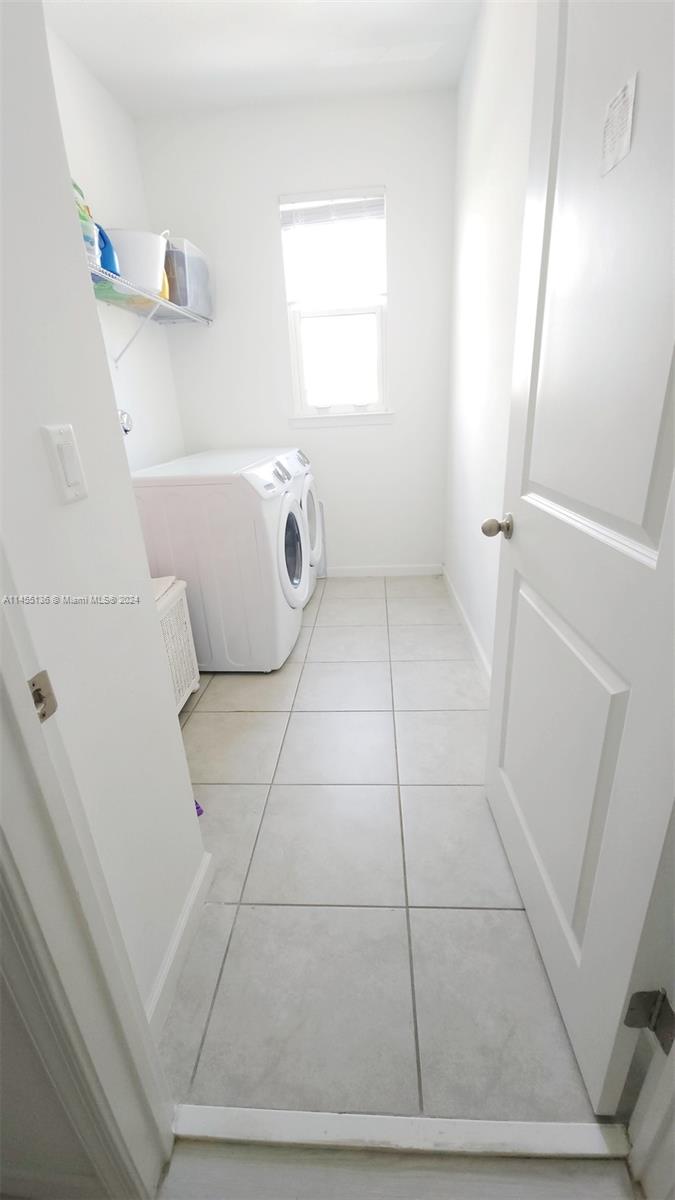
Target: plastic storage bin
174	618
188	275
140	256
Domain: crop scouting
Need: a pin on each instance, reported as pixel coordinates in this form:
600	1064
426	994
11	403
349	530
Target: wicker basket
172	610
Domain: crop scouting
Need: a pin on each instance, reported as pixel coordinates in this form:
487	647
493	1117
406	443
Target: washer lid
209	465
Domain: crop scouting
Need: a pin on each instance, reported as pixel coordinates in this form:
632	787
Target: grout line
366	907
325	783
416	1036
225	712
193	710
239	906
280	711
331	784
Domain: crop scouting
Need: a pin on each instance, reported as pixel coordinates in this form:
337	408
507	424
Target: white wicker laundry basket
172	610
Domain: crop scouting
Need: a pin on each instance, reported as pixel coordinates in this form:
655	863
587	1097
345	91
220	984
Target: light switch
65	458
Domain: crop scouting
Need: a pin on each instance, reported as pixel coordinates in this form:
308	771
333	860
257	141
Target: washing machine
305	489
230	523
300	478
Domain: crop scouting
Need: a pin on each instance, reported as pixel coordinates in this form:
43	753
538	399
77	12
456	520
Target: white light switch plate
66	463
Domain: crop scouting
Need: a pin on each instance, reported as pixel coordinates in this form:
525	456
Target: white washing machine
303	485
305	489
230	524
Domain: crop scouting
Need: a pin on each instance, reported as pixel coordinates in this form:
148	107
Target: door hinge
43	695
652	1010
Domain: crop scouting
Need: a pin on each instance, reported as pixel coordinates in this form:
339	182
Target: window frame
301	408
301	411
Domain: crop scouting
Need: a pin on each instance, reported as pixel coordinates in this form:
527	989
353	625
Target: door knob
492	526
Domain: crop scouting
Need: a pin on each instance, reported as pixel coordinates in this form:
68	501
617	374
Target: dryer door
293	554
310	507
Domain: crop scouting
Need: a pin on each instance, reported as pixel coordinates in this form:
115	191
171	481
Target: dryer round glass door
293	553
310	507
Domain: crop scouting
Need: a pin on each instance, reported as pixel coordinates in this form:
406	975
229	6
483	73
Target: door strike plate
43	695
652	1010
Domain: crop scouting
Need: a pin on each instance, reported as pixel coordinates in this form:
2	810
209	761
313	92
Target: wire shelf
112	289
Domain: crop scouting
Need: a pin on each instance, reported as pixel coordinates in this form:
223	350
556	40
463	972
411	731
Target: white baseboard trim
481	657
394	569
159	1000
433	1135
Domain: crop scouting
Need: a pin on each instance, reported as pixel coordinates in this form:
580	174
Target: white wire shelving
147	306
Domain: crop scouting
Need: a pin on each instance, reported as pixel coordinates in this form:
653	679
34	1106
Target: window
334	252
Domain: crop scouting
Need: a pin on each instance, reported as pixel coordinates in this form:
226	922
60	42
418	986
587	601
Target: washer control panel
276	475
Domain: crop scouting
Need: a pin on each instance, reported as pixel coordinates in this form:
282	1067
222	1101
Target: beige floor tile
311	609
438	685
417	586
422	611
342	747
428	642
328	845
252	692
453	853
313	1012
344	686
182	1032
299	651
194	697
353	588
229	825
233	747
492	1044
352	612
441	747
349	644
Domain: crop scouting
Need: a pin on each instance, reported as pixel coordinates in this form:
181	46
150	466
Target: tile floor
363	947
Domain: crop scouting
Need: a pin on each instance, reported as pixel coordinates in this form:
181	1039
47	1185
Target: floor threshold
434	1135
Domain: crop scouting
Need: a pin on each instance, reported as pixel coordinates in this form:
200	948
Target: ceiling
169	56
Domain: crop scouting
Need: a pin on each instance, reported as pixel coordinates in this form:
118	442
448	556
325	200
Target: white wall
107	663
217	180
102	153
493	124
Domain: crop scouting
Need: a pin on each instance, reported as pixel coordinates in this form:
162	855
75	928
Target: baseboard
433	1135
394	569
159	1001
481	657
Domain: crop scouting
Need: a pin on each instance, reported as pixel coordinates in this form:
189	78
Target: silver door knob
492	526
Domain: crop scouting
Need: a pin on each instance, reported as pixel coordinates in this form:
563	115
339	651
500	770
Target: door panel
569	704
607	327
579	761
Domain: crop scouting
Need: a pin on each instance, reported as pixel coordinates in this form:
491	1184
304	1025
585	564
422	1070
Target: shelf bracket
148	317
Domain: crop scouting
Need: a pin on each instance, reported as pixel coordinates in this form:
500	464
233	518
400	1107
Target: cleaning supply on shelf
108	255
188	274
87	227
140	257
165	287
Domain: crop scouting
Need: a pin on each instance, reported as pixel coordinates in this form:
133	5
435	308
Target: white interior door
580	765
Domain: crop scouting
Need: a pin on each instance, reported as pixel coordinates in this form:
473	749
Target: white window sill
335	419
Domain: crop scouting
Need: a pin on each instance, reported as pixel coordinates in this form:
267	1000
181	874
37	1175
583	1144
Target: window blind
318	212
